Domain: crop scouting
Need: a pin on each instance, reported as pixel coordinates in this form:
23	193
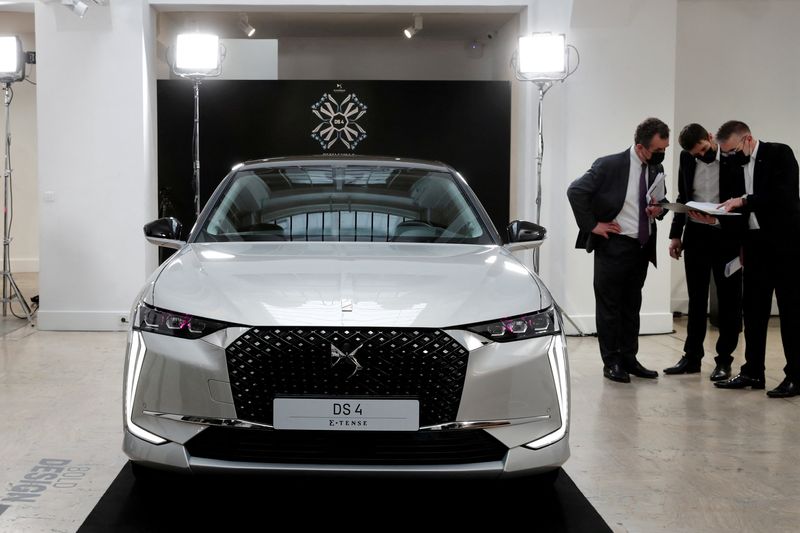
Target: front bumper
518	461
175	388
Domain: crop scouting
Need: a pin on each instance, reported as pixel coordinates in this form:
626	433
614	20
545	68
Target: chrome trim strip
235	422
209	421
484	424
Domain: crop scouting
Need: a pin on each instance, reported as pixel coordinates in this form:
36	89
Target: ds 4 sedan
349	315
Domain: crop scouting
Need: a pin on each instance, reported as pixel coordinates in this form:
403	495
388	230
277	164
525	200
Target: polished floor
668	455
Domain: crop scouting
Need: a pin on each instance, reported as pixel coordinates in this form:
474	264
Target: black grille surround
426	364
390	448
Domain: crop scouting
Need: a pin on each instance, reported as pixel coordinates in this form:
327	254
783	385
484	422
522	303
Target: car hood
341	284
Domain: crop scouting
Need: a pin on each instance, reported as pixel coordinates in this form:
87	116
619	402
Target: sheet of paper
658	190
709	208
732	267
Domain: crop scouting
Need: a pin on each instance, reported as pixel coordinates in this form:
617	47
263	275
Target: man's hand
675	248
702	217
731	204
604	228
654	210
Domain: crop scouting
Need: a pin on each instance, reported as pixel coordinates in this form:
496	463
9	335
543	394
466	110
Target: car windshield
344	203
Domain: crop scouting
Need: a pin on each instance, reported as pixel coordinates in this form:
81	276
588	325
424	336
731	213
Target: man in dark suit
708	248
771	207
616	219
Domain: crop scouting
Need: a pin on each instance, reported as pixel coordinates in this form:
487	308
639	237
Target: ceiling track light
414	28
244	25
76	6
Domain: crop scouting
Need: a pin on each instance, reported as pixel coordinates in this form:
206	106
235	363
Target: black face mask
739	158
709	157
656	158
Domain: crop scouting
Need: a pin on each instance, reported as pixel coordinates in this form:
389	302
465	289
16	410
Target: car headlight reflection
519	327
163	322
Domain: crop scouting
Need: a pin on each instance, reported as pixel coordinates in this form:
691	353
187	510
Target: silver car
351	315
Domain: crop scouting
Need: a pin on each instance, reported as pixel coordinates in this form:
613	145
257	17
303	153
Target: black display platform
262	503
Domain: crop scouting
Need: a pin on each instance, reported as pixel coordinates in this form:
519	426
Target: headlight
163	322
518	327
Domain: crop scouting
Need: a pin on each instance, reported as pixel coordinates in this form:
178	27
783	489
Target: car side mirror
525	235
165	232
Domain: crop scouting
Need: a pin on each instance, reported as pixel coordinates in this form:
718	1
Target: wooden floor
668	455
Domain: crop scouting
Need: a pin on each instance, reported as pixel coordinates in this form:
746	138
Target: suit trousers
770	267
620	269
708	253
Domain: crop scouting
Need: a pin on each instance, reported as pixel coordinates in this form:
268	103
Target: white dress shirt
706	182
628	218
749	170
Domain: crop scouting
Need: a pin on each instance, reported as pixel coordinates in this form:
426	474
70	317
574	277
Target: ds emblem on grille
337	355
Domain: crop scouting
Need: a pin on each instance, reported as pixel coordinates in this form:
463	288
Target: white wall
737	60
629	51
380	59
25	229
96	156
627	71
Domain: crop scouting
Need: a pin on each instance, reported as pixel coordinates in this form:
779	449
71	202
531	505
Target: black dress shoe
616	373
786	389
636	369
741	381
721	372
684	366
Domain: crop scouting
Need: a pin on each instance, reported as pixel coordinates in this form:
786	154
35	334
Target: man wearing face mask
771	207
616	220
702	177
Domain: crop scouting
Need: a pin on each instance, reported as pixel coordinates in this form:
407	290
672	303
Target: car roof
344	159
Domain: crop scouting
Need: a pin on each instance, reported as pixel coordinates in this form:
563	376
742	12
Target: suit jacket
599	195
731	185
775	199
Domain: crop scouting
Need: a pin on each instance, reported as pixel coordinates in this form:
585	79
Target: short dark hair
648	129
732	127
691	135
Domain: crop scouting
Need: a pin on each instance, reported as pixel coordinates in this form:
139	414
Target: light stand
196	148
543	59
197	56
10	288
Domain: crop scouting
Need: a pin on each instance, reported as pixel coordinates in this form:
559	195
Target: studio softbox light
12	59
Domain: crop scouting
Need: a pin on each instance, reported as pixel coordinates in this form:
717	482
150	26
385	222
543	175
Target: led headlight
163	322
519	327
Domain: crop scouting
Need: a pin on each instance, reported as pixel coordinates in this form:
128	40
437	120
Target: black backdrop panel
465	124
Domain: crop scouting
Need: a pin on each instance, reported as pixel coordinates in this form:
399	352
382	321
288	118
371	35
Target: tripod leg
18	295
569	319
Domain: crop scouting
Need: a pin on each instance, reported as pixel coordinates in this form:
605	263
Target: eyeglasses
733	151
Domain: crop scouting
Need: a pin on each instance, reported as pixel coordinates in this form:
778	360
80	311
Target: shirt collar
635	156
755	151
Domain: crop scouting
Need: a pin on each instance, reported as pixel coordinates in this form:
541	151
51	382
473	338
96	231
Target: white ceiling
276	25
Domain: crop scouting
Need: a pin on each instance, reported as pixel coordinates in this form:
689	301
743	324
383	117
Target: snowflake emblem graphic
339	121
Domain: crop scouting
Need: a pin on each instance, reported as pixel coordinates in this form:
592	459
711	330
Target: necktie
644	220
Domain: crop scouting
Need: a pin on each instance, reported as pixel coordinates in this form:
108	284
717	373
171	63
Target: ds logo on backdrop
339	114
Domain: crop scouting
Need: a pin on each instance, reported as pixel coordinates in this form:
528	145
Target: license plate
346	414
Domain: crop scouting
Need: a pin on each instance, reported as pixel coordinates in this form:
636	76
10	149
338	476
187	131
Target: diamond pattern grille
426	364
